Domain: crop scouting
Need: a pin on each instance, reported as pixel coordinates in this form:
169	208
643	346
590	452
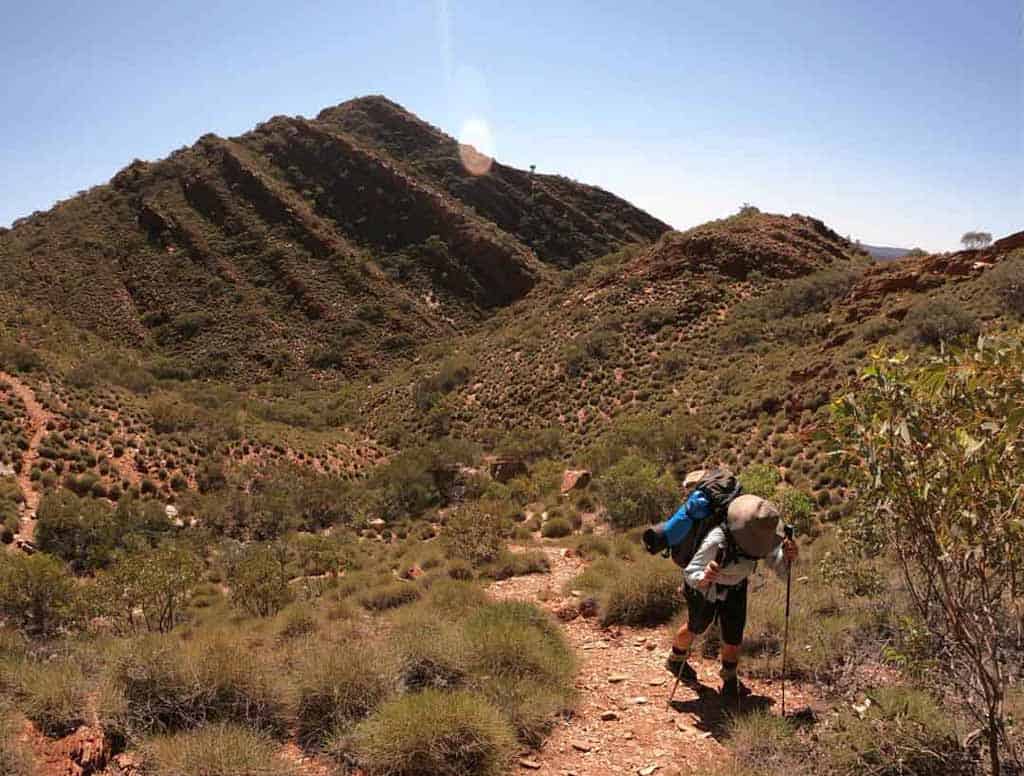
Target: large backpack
719	487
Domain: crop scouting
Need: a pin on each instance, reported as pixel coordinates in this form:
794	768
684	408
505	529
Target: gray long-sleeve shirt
732	573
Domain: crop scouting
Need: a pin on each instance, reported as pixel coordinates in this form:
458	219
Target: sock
728	669
680	654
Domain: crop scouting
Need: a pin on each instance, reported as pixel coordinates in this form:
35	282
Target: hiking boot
734	689
678	667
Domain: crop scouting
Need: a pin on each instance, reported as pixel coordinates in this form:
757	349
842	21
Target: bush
1007	281
215	750
760	480
161	685
390	595
763	741
903	731
36	592
556	528
516	564
473	535
798	509
435	734
813	293
432	652
522	664
259	580
452	598
635	494
642	593
87	533
933	322
18	357
339	688
53	696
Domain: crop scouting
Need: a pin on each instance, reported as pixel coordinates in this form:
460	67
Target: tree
937	454
36	592
259	579
975	240
636	494
157	583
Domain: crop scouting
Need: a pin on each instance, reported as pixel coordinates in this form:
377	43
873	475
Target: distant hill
882	253
343	240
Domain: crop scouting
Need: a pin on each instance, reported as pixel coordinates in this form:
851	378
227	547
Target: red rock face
574	479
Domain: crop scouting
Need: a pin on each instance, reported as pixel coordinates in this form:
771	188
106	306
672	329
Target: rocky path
622	723
37	419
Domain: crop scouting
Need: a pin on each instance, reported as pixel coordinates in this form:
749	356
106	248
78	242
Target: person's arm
706	553
777	559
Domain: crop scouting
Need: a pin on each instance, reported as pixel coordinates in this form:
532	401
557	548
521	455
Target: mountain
333	292
880	253
341	240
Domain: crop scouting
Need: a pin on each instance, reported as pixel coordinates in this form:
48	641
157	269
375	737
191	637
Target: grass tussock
640	592
161	685
335	690
53	696
215	750
435	734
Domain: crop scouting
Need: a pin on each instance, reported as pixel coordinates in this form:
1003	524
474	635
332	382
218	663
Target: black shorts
731	613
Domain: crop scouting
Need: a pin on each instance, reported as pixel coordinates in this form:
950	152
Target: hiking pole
671	697
785	635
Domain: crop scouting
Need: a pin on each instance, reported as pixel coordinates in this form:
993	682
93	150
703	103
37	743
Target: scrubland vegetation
226	571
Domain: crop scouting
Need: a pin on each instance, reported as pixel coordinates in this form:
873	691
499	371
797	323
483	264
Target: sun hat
753	523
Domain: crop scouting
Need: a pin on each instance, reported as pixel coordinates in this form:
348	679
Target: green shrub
53	696
390	595
432	652
36	592
259	580
763	741
798	509
18	357
642	593
556	528
435	734
336	689
161	685
473	535
760	480
516	564
635	494
1007	281
215	750
453	598
935	321
522	664
903	731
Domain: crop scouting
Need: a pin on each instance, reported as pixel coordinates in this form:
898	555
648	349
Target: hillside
339	251
321	454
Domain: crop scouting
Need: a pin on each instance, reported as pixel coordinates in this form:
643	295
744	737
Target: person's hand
789	550
710	574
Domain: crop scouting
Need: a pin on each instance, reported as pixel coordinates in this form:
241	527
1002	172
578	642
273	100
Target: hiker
715	584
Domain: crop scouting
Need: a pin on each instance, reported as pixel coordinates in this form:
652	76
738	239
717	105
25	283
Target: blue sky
896	122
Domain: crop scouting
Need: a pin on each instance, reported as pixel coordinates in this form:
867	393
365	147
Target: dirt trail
38	417
622	724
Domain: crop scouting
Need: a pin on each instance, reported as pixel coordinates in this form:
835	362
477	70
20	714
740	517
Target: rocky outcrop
575	479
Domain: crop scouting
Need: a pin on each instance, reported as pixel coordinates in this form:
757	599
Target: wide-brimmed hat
753	523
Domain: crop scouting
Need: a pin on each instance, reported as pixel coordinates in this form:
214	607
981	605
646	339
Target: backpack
719	487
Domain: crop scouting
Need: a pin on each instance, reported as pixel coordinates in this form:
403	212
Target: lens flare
476	146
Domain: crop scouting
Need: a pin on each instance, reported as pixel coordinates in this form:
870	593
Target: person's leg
732	617
700	613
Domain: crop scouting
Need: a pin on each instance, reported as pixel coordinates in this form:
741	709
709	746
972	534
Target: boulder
505	469
575	479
